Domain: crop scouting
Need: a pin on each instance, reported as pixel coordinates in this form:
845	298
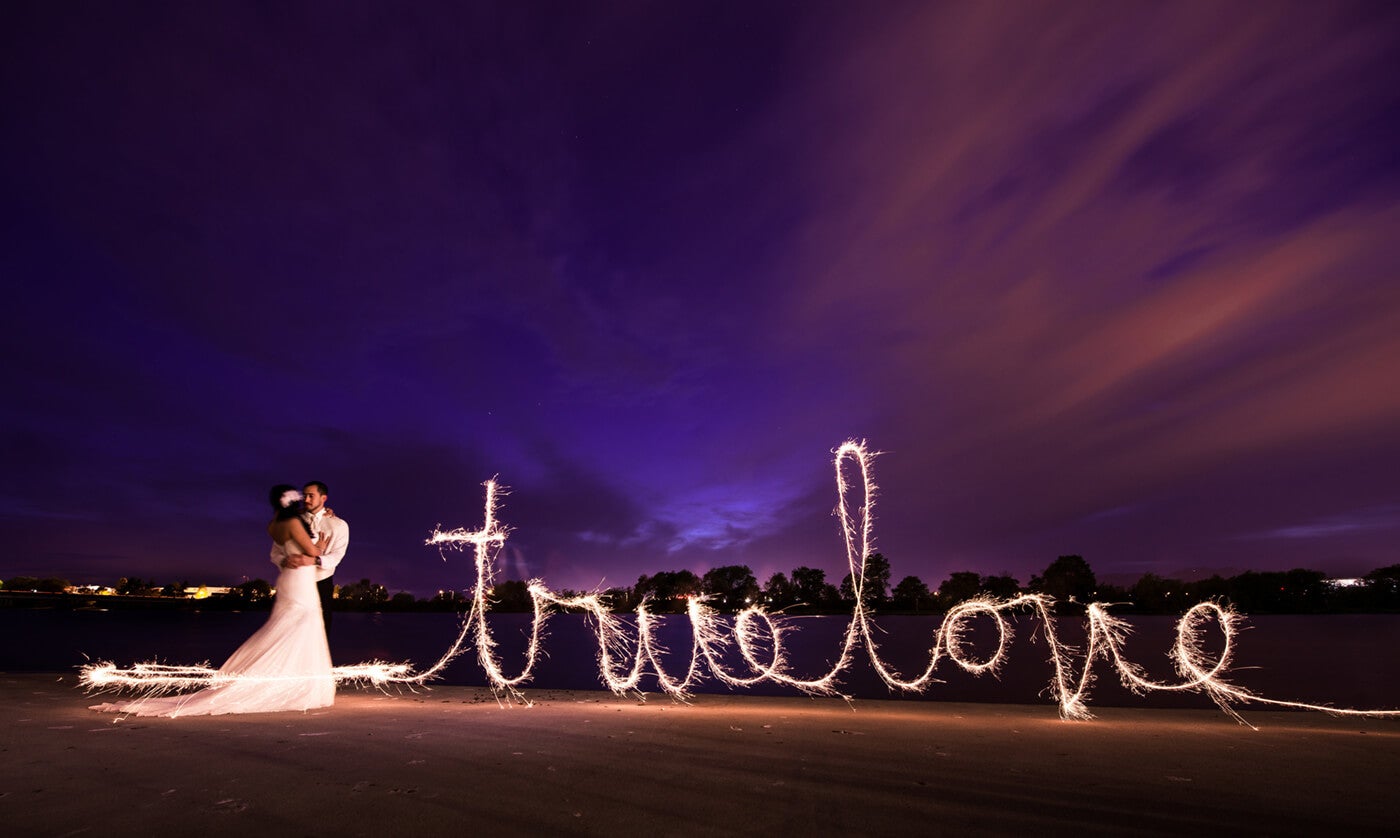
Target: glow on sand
627	654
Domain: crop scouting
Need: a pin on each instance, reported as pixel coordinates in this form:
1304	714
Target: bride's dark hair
291	510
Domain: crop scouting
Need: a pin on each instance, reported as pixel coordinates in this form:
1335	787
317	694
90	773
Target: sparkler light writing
759	636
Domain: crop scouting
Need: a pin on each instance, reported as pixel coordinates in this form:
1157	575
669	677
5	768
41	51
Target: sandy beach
453	760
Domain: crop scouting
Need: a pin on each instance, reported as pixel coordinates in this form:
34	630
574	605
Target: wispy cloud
1362	520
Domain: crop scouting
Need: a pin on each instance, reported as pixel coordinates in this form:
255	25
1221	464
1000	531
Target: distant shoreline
40	600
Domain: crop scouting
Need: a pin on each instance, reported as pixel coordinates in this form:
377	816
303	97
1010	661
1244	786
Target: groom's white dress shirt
332	535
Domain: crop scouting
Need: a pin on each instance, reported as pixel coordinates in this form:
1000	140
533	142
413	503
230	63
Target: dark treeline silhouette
731	588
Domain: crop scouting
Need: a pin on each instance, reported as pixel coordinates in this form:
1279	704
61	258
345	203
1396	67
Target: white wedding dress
285	665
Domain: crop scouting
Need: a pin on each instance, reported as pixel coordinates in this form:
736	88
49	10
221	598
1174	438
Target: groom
332	535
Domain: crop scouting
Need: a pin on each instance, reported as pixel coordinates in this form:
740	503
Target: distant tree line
1068	579
731	588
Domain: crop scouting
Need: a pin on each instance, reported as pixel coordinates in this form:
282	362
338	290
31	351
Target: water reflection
1278	656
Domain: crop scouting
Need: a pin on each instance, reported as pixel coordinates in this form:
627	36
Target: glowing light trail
756	630
159	679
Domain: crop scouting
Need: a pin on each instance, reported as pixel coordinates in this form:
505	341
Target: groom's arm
337	541
280	558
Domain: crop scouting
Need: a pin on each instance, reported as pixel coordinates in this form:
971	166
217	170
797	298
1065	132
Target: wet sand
452	760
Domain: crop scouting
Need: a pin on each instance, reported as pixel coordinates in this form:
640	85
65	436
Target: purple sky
1109	279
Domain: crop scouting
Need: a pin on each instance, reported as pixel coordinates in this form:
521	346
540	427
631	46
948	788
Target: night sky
1114	279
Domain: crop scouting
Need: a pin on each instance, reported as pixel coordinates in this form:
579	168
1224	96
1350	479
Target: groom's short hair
320	487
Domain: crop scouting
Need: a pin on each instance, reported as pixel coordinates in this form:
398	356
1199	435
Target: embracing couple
286	664
328	535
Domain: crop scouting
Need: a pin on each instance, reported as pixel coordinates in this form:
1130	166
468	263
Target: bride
286	664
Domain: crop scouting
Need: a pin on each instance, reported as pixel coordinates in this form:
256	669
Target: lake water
1341	660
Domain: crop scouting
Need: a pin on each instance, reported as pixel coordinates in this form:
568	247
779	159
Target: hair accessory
290	497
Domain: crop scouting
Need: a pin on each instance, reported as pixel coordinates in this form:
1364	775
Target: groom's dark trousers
326	587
